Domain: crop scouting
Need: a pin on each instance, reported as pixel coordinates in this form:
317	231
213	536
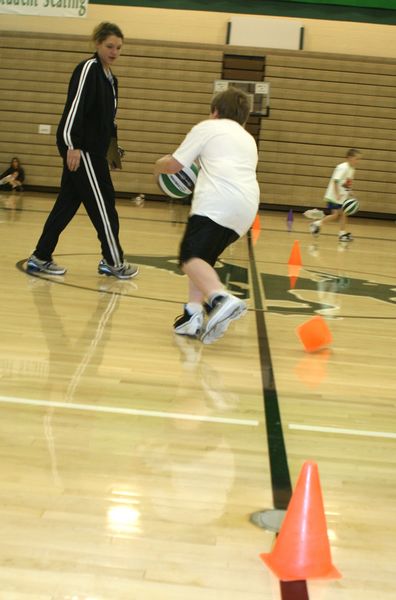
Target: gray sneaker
124	271
35	265
226	308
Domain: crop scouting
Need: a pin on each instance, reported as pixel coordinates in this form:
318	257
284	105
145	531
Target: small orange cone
256	229
295	255
302	549
293	272
314	334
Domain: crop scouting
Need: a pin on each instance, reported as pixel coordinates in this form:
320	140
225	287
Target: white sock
193	307
318	223
340	233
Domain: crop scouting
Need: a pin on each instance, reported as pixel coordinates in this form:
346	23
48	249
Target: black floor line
279	468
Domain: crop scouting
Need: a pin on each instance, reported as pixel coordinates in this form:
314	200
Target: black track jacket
87	122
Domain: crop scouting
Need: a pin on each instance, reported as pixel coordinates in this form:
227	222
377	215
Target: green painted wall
389	4
366	11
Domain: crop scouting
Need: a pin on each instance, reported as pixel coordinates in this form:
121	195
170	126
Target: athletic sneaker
314	213
124	271
225	308
345	237
189	324
36	265
314	228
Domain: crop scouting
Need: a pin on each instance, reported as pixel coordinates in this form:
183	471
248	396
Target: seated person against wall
13	177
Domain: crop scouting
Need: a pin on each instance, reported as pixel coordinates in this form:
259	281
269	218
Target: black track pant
91	185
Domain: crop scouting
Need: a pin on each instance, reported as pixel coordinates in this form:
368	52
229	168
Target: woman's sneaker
189	324
124	271
35	265
225	308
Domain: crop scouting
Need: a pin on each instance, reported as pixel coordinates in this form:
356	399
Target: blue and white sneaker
36	265
124	271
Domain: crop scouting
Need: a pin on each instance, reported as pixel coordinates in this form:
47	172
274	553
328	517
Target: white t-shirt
343	174
226	190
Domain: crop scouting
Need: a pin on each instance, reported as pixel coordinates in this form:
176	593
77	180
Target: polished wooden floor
131	461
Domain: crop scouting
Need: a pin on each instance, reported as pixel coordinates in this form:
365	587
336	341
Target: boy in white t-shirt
338	190
224	206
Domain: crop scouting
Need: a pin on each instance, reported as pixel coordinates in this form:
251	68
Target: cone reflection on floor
256	229
314	334
312	369
302	549
293	272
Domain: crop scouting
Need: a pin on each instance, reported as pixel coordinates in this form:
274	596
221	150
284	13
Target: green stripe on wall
280	8
390	4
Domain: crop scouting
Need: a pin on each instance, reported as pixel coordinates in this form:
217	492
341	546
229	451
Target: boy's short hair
352	152
232	104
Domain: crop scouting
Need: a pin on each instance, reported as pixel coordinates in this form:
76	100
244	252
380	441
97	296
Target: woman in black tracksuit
83	138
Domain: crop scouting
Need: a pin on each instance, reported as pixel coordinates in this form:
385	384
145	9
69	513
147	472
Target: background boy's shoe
189	324
314	213
124	271
36	265
225	308
314	228
345	237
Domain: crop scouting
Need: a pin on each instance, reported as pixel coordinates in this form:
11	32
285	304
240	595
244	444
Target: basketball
181	184
350	206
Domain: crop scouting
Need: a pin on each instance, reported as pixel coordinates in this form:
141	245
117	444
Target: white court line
362	432
128	411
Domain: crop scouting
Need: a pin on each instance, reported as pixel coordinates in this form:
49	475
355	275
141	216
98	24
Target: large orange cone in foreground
302	549
295	255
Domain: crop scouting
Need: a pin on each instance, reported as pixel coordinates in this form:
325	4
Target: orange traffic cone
295	255
314	334
256	229
302	549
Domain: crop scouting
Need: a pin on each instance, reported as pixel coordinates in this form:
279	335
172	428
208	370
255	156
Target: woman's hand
73	159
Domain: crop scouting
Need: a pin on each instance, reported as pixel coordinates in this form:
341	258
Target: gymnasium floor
131	461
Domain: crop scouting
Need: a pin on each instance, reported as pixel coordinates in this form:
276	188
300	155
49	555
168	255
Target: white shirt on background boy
343	174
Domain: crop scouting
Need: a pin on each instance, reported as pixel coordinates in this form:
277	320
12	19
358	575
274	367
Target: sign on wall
48	8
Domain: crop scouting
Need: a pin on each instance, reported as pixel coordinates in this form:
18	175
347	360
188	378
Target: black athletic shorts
205	239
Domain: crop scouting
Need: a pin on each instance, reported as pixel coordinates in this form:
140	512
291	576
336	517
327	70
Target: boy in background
224	206
338	190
